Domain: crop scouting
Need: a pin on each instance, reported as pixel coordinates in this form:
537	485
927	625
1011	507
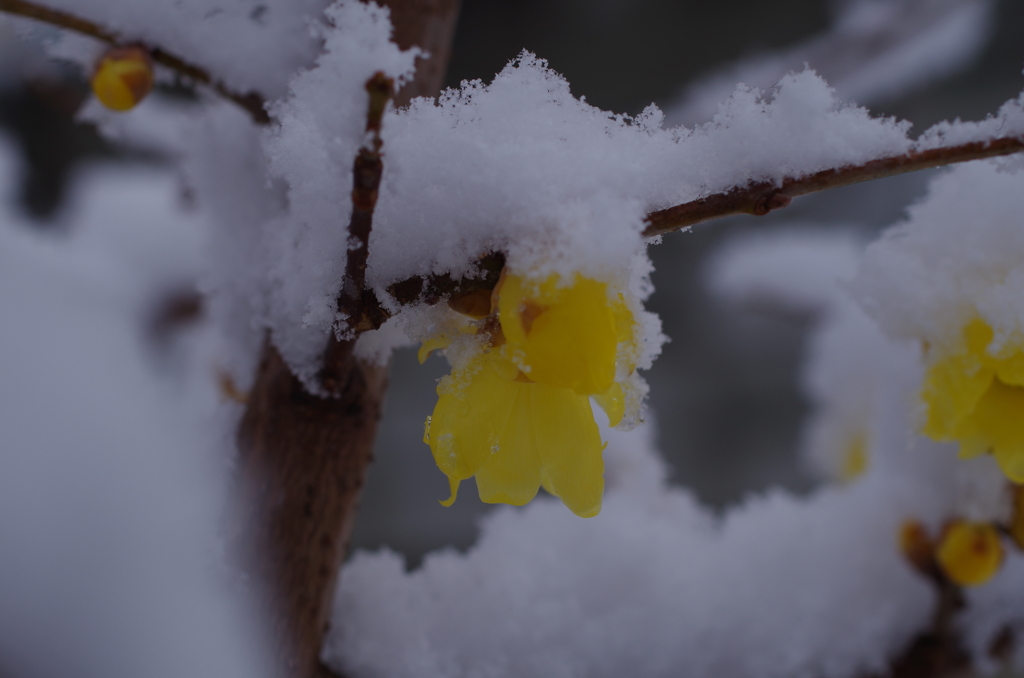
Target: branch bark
252	102
303	458
763	197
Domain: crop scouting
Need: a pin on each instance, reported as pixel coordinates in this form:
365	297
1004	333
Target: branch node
768	203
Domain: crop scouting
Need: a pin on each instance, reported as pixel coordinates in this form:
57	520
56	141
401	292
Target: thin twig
762	197
252	102
366	173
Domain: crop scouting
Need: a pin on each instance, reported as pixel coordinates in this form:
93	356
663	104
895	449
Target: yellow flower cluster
977	399
518	416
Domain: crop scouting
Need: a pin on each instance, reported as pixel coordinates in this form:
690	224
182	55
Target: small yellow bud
123	77
969	553
917	546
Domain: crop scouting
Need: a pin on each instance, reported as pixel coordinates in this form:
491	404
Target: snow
521	166
654	586
111	481
874	51
957	256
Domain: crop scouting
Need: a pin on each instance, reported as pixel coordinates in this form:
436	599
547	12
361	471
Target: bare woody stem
366	174
252	102
762	197
305	457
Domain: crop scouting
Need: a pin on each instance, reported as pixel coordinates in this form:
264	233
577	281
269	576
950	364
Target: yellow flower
518	416
977	399
969	553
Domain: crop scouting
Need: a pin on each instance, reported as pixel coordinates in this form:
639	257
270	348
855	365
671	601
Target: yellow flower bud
917	546
123	77
969	553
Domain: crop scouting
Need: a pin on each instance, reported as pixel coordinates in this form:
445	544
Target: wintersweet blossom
518	416
976	397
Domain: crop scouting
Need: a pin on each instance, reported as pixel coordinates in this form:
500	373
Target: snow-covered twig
252	102
762	197
758	198
366	173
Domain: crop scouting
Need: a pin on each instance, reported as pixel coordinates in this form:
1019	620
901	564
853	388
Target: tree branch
762	197
757	198
252	102
305	457
366	174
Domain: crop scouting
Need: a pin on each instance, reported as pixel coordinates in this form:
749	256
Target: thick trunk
430	25
302	458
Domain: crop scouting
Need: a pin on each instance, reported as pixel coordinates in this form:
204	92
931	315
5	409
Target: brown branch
762	197
366	173
304	457
252	102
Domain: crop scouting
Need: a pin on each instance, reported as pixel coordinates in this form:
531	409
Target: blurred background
725	394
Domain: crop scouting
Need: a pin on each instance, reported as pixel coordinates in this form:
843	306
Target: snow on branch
757	199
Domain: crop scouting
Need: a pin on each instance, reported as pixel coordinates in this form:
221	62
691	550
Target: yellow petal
952	388
569	444
999	420
511	474
430	345
613	402
453	486
564	335
472	405
511	300
970	553
978	335
1010	369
